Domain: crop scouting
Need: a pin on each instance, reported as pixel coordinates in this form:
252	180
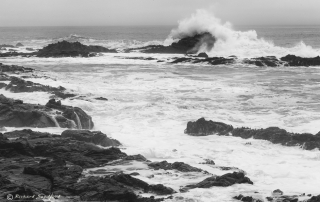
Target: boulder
19	45
201	127
95	137
203	55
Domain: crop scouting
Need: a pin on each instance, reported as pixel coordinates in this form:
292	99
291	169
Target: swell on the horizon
231	42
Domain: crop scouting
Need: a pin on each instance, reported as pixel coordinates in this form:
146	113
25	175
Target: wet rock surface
15	113
276	135
35	163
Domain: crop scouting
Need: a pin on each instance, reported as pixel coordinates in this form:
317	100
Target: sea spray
53	118
230	42
78	121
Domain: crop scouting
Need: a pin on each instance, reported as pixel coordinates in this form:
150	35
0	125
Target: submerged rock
69	49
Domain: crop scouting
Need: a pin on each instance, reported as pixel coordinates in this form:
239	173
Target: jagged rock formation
41	163
189	44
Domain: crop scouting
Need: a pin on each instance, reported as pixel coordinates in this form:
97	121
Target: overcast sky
154	12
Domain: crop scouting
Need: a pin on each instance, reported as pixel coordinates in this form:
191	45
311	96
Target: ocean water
150	103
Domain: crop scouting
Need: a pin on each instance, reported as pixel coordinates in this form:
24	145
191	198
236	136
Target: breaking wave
232	42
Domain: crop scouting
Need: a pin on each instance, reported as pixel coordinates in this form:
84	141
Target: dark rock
14	68
293	60
67	49
95	137
6	46
202	55
269	61
29	49
15	113
137	157
63	95
277	192
101	98
314	199
187	44
19	45
246	198
202	128
180	166
225	180
18	85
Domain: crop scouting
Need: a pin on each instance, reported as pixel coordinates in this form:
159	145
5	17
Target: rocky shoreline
39	164
189	46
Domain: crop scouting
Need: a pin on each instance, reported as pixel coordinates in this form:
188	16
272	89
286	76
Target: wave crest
231	42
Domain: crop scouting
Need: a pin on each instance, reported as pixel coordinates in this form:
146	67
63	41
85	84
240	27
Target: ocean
150	103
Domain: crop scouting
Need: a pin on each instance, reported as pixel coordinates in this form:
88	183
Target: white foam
231	42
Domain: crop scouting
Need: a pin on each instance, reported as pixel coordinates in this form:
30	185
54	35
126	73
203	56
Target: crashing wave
231	42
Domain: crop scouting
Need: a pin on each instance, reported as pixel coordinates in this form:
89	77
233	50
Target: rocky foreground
35	166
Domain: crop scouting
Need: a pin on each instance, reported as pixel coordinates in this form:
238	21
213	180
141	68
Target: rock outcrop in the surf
201	127
18	85
275	135
186	45
208	60
180	166
225	180
15	113
95	137
36	163
246	198
269	61
69	49
19	44
293	60
14	68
